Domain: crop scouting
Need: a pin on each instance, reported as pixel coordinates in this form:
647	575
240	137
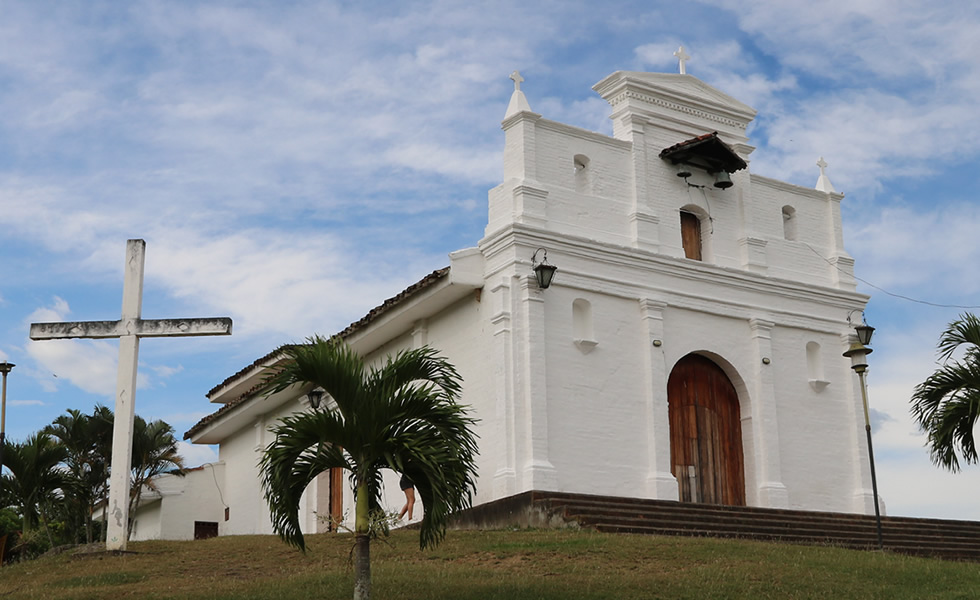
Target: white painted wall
564	410
170	510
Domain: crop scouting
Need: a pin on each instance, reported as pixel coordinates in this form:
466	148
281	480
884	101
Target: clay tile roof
361	323
706	151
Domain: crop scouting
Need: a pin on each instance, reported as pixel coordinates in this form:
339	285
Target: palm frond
947	404
323	362
963	331
431	441
306	444
402	415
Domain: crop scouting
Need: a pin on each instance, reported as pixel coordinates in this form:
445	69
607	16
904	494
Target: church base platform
939	538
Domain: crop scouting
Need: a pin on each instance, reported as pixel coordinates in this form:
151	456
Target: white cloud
195	454
88	364
269	282
164	371
929	253
181	419
26	403
58	311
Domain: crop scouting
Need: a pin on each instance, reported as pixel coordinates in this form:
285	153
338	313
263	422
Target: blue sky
292	164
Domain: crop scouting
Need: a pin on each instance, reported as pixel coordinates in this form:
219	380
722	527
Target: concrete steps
940	538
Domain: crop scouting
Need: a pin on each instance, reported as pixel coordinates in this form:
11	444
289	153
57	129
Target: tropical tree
36	478
87	463
946	405
155	452
403	416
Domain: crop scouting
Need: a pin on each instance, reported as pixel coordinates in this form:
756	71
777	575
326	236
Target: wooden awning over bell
706	152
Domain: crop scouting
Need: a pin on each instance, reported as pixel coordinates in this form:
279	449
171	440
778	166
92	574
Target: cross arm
183	327
137	327
77	329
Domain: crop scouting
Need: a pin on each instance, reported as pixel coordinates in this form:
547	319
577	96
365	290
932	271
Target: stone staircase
939	538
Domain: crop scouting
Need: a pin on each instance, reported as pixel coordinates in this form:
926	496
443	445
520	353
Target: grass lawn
482	565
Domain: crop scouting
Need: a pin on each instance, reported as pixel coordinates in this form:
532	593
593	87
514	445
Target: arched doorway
705	433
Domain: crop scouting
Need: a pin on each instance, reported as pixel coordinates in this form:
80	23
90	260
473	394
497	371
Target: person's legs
409	503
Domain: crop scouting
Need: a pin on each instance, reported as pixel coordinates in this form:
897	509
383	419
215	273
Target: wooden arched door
705	433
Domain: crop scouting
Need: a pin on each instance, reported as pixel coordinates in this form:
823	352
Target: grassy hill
482	565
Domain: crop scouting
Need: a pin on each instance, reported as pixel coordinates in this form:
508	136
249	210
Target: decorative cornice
761	327
752	242
628	94
529	190
517	117
644	218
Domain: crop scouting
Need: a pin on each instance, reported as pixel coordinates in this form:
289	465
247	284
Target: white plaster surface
556	415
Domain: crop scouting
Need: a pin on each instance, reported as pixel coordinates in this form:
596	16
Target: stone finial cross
682	58
823	182
129	329
516	76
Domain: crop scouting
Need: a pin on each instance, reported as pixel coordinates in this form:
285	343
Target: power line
884	291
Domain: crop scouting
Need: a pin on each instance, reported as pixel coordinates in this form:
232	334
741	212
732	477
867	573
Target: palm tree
36	477
87	465
402	416
155	452
102	421
946	405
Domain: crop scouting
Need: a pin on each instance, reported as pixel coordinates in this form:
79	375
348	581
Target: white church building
689	346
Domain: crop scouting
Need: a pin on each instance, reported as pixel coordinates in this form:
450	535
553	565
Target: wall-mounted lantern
315	396
544	272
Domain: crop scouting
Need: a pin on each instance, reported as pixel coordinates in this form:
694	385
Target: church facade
689	347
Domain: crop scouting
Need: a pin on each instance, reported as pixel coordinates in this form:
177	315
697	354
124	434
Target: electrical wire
215	477
892	294
711	220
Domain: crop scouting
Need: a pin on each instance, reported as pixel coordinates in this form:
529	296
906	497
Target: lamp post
5	368
858	353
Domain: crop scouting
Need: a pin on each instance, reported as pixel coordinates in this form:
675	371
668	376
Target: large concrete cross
129	329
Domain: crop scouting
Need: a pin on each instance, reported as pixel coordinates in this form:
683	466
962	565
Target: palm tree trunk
88	524
47	530
362	543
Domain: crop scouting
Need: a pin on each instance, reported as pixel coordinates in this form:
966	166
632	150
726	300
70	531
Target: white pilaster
538	472
661	483
420	333
841	264
505	476
753	254
771	492
644	224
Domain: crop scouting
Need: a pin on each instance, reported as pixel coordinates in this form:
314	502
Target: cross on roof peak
516	76
682	58
823	182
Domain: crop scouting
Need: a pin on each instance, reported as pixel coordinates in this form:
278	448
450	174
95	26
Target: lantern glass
864	332
315	396
544	273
